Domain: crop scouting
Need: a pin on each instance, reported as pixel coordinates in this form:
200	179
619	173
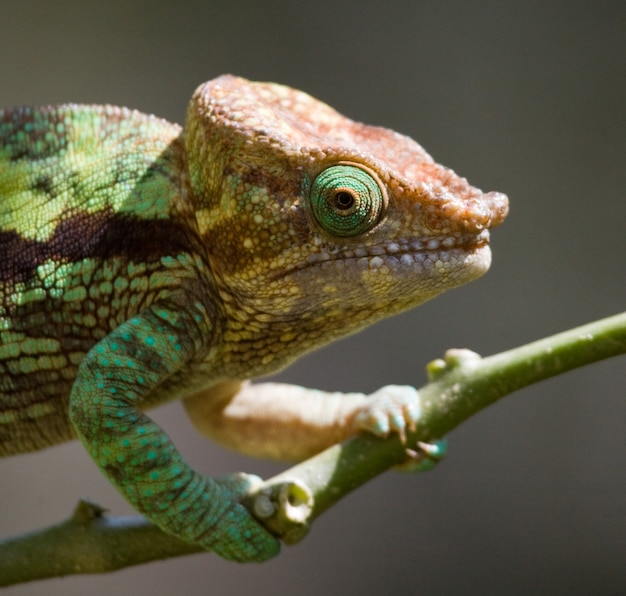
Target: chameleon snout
483	213
497	206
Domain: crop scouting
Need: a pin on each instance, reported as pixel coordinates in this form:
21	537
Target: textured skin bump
144	262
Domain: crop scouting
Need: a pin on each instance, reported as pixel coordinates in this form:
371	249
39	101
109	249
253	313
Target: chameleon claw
435	451
425	457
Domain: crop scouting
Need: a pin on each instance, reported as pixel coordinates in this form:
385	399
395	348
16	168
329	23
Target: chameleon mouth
402	255
413	247
436	244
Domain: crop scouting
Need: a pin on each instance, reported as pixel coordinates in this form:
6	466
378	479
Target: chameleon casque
143	262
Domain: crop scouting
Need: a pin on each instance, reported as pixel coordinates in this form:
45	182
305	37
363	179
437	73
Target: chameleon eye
347	200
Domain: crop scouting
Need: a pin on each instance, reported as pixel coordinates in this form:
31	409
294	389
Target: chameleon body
143	262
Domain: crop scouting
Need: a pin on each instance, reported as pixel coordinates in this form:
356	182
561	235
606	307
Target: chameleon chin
143	262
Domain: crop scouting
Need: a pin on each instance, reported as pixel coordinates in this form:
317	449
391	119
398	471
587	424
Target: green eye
346	200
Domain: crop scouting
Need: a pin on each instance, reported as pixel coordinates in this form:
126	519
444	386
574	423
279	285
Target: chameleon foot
238	536
391	409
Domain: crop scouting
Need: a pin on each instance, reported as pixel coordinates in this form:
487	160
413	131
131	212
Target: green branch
461	385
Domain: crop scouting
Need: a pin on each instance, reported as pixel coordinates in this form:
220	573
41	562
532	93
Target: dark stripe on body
99	236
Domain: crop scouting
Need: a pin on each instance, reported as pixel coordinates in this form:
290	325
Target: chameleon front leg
137	456
292	423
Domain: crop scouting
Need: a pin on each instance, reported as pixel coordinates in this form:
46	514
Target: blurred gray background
527	98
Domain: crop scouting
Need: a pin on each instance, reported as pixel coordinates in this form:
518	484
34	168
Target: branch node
285	509
86	511
454	359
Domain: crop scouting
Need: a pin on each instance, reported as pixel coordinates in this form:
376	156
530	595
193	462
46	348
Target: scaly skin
143	262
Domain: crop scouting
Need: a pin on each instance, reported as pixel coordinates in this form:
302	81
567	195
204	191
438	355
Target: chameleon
144	262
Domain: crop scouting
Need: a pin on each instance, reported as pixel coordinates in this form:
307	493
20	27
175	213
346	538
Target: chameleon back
78	236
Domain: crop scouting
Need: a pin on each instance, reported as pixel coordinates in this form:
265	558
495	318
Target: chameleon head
311	217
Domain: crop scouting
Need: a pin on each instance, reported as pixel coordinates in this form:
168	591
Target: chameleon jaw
435	244
400	254
350	292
